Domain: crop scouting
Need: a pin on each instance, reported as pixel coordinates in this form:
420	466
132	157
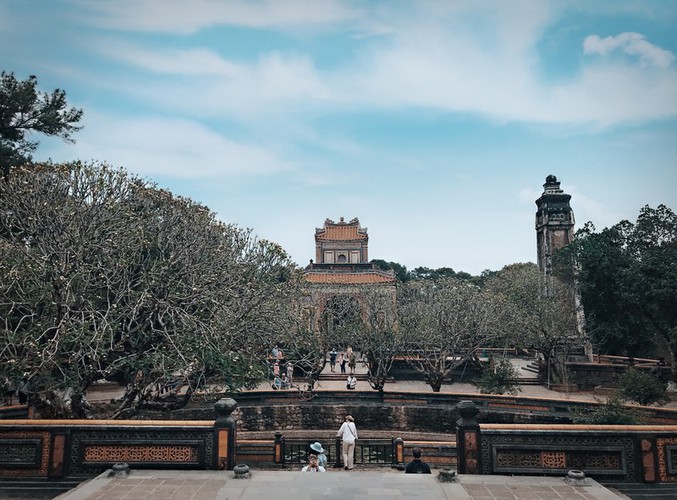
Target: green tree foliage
628	280
444	322
425	273
543	311
400	271
499	379
612	412
24	109
642	387
104	276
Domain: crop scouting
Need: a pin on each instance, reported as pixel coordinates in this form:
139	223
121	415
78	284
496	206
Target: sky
433	122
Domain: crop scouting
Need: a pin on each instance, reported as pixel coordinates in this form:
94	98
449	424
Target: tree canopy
543	310
105	276
444	323
628	279
24	109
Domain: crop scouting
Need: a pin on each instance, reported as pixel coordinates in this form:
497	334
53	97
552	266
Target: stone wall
376	417
372	417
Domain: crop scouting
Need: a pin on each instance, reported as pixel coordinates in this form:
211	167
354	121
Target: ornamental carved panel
24	453
667	459
598	456
95	450
143	453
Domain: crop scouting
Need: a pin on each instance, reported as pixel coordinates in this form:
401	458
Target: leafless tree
444	322
543	312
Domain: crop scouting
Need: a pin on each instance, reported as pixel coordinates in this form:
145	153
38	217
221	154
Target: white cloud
159	146
188	62
634	44
491	67
181	16
460	57
209	85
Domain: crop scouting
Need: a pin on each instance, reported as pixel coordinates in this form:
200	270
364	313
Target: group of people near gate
282	371
11	389
341	359
317	460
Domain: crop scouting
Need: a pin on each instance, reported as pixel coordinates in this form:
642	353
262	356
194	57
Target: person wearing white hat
321	457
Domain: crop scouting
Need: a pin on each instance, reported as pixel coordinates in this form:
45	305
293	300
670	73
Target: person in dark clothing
332	359
417	466
24	390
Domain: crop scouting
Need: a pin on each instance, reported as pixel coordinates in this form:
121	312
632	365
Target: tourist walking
290	373
332	360
10	390
348	434
24	389
342	362
352	361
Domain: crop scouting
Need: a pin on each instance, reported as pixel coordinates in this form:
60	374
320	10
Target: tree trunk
435	381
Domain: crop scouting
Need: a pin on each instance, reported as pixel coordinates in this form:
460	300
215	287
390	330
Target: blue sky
434	122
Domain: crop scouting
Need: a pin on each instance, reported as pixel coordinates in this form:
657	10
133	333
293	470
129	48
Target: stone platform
357	484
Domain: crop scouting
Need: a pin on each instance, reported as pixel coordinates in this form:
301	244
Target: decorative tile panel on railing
176	448
667	459
611	456
24	453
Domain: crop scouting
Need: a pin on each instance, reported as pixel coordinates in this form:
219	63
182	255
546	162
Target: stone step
37	488
527	381
645	491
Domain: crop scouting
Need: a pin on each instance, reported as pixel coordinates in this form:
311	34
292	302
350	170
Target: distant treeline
425	273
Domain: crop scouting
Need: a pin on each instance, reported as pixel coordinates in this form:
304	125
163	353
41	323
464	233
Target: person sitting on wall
284	381
417	466
351	382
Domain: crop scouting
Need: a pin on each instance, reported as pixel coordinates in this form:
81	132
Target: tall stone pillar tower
554	222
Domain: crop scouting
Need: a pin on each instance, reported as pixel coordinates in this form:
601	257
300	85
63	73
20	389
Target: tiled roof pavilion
364	278
342	256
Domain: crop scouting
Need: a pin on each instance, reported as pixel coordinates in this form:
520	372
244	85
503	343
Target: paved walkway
107	392
372	485
459	388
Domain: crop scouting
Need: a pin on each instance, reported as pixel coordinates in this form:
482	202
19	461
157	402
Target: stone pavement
358	484
457	388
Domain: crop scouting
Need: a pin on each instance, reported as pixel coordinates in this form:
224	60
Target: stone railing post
224	428
339	455
468	439
398	451
279	448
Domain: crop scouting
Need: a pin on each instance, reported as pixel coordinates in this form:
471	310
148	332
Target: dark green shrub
642	387
613	412
500	379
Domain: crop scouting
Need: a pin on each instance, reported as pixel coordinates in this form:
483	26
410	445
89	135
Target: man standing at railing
348	435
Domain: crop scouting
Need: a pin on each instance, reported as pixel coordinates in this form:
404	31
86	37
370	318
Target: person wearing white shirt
348	435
